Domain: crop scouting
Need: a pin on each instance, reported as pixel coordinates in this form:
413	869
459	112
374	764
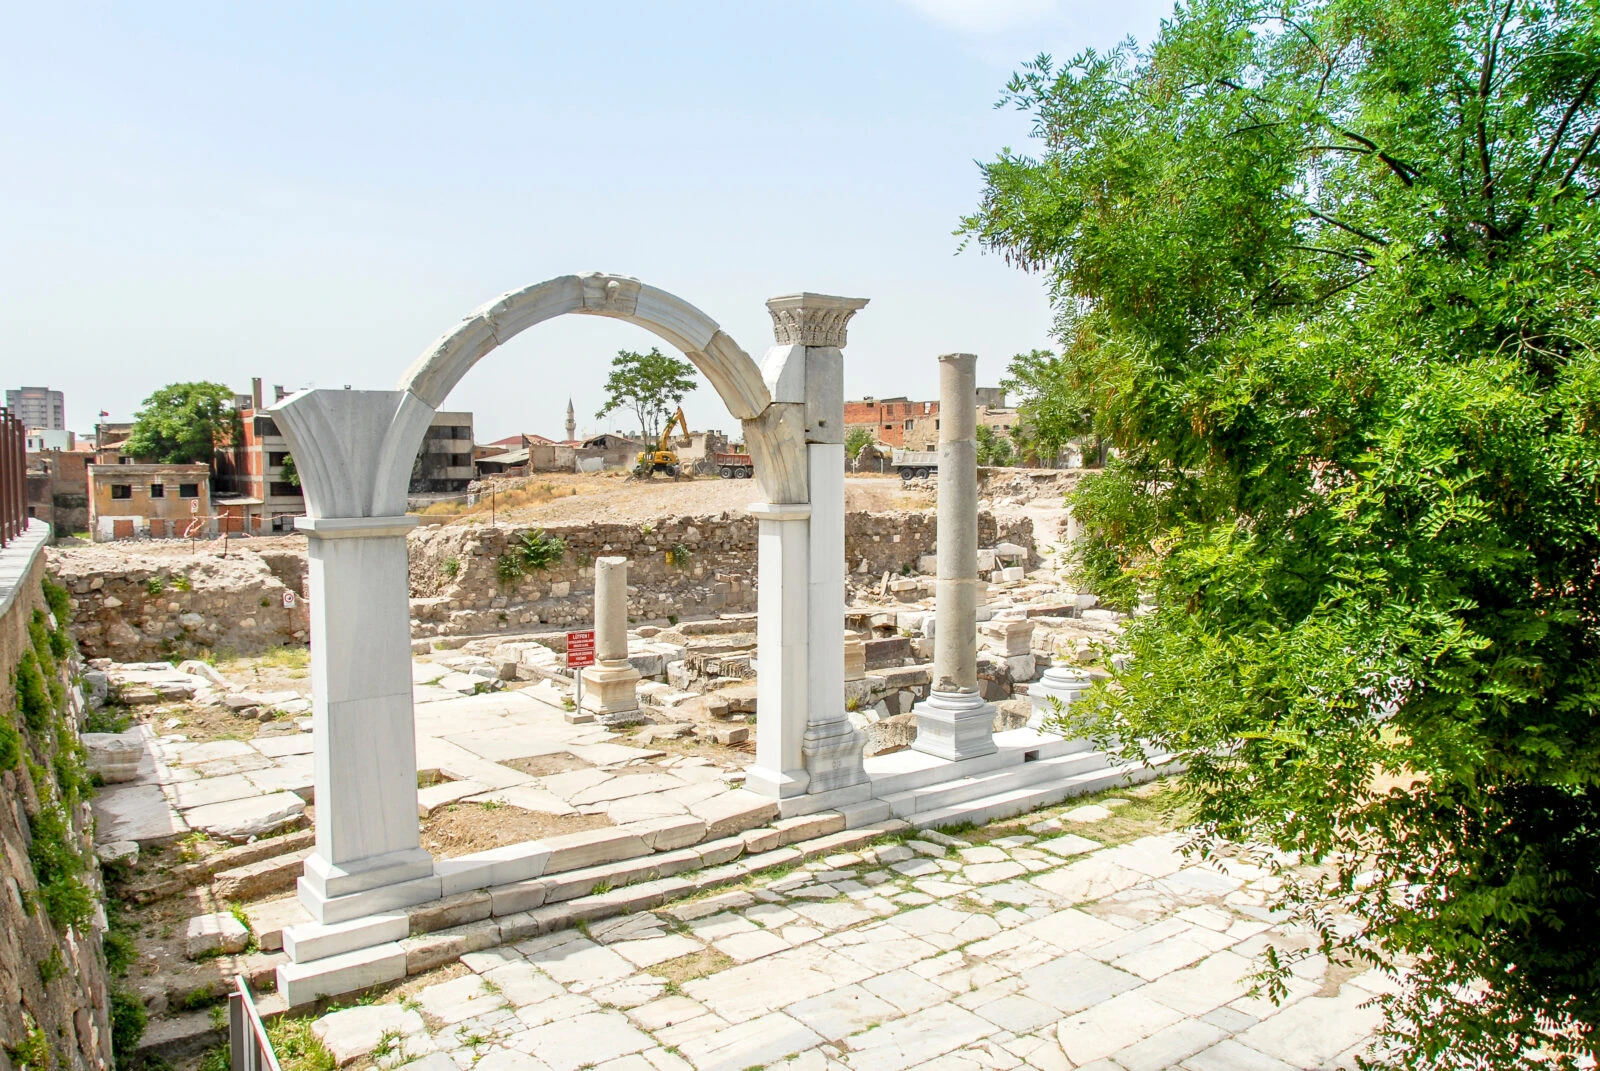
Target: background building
444	464
39	407
150	501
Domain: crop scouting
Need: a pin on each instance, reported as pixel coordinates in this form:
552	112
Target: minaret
572	422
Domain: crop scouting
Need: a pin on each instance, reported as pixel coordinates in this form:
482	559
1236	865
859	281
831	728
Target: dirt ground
568	498
464	828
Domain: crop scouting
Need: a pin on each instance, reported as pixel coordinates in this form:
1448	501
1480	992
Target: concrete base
954	726
847	799
773	784
331	880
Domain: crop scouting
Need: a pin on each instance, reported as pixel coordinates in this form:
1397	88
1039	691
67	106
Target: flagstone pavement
1051	952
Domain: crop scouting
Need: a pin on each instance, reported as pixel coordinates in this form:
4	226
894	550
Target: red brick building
898	422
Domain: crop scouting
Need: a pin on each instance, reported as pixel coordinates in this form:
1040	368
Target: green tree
1054	401
652	385
291	475
184	423
856	440
993	449
1327	275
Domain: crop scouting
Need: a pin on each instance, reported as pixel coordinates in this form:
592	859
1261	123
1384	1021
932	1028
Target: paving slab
136	812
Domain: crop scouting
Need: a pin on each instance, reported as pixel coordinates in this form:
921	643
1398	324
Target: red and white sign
288	600
580	649
194	505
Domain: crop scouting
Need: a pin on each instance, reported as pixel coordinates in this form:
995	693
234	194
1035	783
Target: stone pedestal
954	722
855	657
610	686
1063	684
1008	638
364	744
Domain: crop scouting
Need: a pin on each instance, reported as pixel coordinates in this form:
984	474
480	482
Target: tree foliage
1325	272
651	385
1053	402
856	440
993	448
183	423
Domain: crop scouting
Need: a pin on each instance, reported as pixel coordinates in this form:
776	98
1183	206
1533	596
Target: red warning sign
580	649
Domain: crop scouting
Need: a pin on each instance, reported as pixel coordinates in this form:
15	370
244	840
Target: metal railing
13	477
248	1045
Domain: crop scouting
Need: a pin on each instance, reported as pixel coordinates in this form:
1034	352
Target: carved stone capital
812	319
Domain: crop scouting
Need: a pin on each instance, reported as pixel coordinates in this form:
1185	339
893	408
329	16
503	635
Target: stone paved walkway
1047	951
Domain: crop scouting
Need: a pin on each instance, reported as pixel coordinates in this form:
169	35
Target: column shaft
833	746
365	759
610	686
782	644
955	722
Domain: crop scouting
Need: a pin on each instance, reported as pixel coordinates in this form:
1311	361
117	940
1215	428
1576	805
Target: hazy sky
215	191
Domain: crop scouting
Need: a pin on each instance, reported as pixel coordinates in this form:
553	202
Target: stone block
804	827
734	812
260	878
763	839
670	832
115	757
891	651
215	934
718	852
574	851
354	1032
450	911
239	820
313	941
427	951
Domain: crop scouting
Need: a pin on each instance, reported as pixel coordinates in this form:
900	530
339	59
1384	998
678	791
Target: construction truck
662	458
915	464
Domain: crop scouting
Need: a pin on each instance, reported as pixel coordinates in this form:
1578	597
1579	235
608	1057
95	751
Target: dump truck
732	466
915	463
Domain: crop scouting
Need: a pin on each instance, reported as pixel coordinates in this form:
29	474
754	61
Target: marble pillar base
611	690
774	784
1064	684
323	885
834	755
954	726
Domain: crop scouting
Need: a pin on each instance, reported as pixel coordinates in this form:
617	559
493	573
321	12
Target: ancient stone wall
135	607
682	567
54	996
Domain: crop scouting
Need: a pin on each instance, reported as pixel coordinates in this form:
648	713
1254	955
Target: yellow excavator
662	459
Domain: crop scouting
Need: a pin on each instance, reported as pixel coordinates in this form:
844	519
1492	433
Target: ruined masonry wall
140	608
456	586
53	987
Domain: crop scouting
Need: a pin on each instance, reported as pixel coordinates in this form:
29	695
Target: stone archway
354	451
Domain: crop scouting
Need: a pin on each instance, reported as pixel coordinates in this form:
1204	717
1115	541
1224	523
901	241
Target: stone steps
948	794
445	930
1015	801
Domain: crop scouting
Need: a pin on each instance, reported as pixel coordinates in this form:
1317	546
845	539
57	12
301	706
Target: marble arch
354	451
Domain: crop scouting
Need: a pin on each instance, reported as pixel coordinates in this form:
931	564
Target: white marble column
781	553
354	451
954	722
610	686
364	744
805	743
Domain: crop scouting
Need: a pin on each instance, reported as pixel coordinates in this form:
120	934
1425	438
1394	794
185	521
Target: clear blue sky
215	191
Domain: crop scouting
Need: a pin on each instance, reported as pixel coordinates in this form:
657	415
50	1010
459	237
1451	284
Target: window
188	490
124	460
122	490
158	490
460	461
277	458
282	489
460	431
